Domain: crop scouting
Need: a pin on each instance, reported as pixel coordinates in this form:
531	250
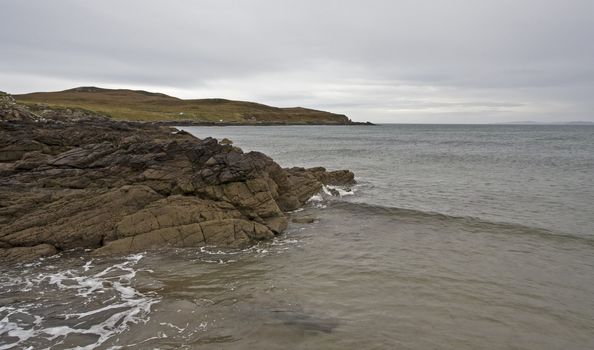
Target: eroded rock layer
78	180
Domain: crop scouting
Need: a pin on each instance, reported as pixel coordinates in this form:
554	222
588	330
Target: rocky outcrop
79	180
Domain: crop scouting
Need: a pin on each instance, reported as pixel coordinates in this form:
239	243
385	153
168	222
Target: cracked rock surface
74	179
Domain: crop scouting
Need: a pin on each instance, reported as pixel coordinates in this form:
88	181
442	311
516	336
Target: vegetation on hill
140	105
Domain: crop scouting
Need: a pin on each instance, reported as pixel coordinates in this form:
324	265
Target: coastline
198	123
144	106
320	282
86	181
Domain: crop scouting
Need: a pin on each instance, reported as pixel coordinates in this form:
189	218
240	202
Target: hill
138	105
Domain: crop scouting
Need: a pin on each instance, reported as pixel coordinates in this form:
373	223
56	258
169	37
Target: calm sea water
540	176
456	237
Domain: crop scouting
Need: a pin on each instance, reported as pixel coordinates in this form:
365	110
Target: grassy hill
148	106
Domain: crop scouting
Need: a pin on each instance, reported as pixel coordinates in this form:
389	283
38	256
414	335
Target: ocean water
455	237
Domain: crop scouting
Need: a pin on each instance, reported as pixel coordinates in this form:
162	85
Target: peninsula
137	105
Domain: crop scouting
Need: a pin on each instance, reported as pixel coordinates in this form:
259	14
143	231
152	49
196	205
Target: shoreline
193	123
88	181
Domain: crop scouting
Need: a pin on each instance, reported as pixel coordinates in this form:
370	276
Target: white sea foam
342	191
24	321
206	250
315	198
317	201
10	328
179	329
329	193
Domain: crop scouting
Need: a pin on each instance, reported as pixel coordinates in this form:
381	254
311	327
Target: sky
439	61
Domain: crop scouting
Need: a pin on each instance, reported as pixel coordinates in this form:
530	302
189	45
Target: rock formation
73	179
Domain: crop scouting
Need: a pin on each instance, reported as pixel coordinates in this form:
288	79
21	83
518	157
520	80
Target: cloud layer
455	61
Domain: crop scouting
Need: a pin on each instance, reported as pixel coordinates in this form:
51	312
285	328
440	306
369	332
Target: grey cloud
376	60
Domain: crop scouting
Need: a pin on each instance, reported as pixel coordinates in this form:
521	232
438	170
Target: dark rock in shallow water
304	220
306	322
75	180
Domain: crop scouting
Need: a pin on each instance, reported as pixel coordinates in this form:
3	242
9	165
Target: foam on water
215	255
329	193
342	191
95	302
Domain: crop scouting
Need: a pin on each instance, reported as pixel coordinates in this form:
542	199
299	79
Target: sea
454	237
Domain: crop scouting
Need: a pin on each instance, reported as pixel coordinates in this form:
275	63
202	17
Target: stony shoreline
82	180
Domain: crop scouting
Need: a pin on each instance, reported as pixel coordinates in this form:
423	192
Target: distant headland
138	105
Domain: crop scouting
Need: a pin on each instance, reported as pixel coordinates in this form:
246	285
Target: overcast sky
471	61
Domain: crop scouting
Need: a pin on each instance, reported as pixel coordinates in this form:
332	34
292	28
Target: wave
466	223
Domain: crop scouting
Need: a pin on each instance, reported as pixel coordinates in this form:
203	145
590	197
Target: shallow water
367	274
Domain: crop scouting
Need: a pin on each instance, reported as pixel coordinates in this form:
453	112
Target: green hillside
139	105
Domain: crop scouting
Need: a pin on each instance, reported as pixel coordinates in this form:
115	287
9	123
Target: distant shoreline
194	123
497	124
